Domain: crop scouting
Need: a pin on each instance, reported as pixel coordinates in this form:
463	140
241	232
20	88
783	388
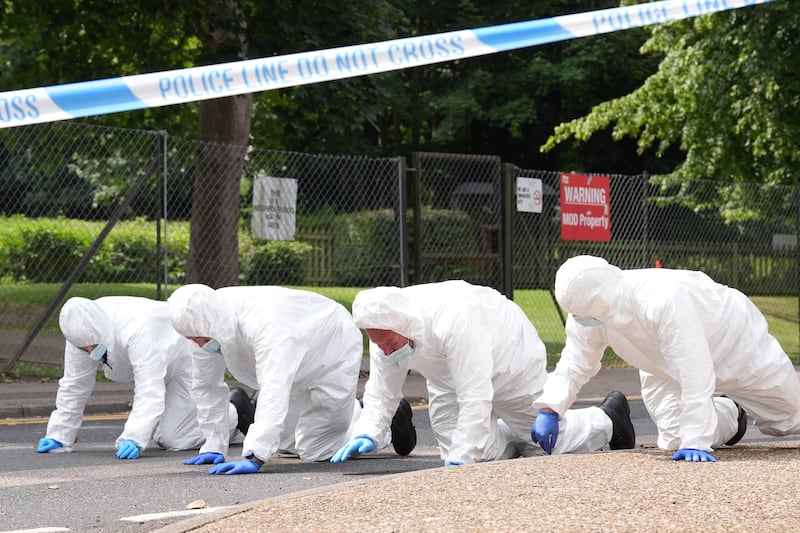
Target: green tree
725	96
506	104
95	39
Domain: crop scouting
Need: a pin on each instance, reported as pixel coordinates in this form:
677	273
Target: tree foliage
502	104
726	96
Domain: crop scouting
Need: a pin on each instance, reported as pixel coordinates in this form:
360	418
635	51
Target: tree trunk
213	242
221	157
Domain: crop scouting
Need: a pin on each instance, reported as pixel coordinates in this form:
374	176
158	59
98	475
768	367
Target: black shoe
742	426
404	436
623	436
244	409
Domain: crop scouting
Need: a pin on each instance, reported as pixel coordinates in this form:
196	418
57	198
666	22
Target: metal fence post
416	199
401	218
646	258
507	207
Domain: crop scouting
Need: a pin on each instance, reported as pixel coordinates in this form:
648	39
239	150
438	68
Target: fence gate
457	218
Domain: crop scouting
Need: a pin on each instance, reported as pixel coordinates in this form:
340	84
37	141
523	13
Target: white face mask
99	351
401	353
588	322
212	346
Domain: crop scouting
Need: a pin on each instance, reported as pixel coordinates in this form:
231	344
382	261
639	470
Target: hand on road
356	446
236	467
544	431
693	456
207	458
128	450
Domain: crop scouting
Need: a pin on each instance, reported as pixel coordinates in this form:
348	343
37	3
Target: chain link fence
93	211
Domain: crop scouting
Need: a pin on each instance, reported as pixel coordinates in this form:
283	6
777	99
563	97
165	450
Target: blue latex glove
128	450
453	463
693	456
236	467
544	430
356	446
207	458
45	445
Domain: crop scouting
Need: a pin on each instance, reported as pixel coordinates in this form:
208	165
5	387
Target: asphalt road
91	490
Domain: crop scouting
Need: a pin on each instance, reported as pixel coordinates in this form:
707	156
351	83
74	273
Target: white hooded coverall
484	364
299	349
690	337
143	348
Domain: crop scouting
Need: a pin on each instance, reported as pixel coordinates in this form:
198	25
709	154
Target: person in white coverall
132	340
690	337
484	364
300	350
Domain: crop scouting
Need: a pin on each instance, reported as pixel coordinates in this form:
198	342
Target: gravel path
751	487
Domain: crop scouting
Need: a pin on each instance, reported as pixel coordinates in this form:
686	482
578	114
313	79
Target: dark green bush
49	253
274	262
446	232
365	250
48	250
365	246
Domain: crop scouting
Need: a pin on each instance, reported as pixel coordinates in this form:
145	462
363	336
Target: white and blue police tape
75	100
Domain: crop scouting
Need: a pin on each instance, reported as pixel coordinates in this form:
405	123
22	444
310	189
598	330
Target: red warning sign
585	208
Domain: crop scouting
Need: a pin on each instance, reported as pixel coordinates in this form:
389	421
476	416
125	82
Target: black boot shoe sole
404	436
742	427
623	434
244	409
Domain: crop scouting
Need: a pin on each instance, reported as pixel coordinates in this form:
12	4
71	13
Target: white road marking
39	530
170	514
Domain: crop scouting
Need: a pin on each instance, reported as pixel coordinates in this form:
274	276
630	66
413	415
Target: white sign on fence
274	208
529	195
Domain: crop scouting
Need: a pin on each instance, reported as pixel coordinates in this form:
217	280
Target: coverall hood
588	286
187	310
84	323
388	308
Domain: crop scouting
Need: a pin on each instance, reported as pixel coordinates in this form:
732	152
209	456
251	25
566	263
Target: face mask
99	351
401	353
588	322
212	346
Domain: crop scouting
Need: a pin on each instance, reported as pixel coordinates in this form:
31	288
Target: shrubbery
47	250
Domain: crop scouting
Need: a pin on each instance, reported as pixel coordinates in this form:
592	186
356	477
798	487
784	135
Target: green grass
22	304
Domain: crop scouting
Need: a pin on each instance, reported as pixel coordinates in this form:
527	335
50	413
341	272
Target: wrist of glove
128	450
693	456
245	466
544	430
356	446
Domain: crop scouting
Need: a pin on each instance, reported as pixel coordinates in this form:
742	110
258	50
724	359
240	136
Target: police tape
128	93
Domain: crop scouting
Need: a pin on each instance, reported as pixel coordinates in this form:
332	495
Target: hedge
47	250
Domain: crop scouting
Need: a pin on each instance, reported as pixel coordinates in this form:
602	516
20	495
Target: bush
364	252
46	250
447	232
273	262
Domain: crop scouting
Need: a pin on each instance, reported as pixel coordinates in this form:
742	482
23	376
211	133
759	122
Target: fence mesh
94	211
459	198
